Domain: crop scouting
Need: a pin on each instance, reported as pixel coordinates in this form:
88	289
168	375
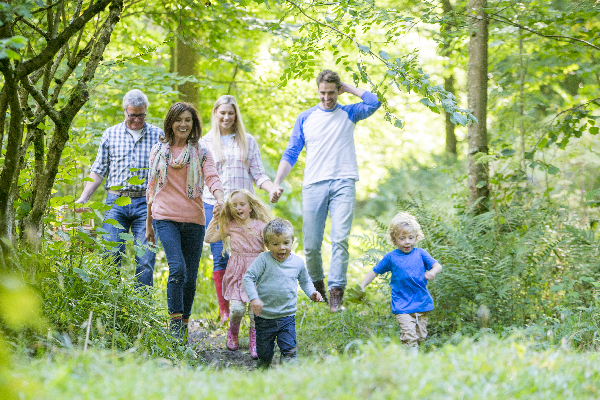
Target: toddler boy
271	283
411	268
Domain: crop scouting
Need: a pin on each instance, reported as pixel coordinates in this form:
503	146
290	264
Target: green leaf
398	123
126	236
364	49
384	55
135	180
82	274
458	118
594	130
508	152
114	223
481	184
552	170
427	102
123	201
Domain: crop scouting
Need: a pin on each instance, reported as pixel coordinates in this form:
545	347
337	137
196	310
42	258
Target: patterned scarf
192	157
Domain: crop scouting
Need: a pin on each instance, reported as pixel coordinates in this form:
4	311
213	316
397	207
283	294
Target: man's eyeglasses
135	116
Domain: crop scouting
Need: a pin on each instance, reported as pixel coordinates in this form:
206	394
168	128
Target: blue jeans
182	242
338	197
131	217
267	330
220	260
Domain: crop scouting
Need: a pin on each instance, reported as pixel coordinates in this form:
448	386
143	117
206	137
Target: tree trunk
449	86
185	65
477	98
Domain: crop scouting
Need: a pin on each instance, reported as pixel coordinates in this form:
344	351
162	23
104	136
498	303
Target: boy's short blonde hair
279	227
404	222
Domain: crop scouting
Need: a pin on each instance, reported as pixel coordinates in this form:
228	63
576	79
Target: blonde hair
404	222
278	227
238	128
258	210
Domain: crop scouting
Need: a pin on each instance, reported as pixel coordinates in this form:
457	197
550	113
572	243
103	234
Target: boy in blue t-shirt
411	269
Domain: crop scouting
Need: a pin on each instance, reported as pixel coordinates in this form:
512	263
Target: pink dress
246	244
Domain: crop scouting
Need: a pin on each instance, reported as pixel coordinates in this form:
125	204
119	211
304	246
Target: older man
327	131
123	154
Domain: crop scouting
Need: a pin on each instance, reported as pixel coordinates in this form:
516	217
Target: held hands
218	208
275	193
316	296
256	306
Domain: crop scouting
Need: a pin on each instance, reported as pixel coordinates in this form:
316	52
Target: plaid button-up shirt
119	154
232	171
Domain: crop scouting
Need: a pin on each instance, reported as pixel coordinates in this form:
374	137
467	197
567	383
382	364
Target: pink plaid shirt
232	171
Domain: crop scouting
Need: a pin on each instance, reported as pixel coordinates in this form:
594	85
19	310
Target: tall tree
477	79
448	84
46	52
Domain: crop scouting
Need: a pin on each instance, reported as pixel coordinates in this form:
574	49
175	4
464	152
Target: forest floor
211	347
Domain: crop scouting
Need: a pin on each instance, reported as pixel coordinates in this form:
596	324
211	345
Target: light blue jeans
338	197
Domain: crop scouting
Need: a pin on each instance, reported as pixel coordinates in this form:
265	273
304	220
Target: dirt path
210	345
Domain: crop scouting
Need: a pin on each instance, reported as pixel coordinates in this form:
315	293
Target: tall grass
490	369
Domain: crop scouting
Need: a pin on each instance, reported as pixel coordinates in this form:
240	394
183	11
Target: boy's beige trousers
414	328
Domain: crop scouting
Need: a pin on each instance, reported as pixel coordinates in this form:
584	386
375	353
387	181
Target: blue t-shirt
408	283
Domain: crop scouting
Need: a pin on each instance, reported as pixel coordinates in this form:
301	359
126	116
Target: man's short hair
279	227
135	98
329	76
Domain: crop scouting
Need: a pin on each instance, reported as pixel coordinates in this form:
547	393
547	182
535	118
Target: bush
520	263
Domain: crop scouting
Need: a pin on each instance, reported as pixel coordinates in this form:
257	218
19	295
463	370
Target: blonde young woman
239	166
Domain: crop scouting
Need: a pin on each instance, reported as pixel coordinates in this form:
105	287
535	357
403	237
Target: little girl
242	218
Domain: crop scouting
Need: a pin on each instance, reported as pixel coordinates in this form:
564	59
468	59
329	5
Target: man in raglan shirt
327	131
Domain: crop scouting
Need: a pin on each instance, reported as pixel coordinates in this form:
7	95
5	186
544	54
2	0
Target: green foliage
340	27
123	317
378	369
520	262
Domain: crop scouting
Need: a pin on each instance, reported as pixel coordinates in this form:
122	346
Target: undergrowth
377	369
512	267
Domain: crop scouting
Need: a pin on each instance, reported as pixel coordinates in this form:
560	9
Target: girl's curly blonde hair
258	209
404	222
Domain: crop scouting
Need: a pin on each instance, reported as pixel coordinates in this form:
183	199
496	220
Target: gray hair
278	227
135	98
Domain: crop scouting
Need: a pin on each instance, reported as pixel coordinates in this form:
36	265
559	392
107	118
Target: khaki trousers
414	328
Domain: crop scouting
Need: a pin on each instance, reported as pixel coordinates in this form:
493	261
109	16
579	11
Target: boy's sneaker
336	300
320	287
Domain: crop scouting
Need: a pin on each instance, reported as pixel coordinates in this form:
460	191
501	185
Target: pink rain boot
223	304
232	335
252	335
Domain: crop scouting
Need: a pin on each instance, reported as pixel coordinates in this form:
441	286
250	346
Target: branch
55	44
79	95
350	38
42	102
505	20
35	28
564	112
47	7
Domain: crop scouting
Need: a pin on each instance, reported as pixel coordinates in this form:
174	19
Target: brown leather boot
321	288
336	299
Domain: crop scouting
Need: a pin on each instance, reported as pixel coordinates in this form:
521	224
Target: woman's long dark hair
175	111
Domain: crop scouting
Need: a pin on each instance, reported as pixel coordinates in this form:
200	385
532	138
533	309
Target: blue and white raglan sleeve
363	110
296	143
